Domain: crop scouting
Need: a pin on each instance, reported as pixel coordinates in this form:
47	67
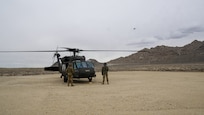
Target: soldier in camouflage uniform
70	73
105	73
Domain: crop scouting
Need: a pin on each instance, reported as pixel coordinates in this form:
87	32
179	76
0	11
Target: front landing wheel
65	78
90	79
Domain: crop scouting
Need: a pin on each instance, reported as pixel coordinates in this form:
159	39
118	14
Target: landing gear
65	78
90	79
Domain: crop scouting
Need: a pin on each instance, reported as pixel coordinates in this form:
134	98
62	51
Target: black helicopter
82	67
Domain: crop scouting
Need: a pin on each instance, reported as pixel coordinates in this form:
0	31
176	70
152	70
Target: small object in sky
134	28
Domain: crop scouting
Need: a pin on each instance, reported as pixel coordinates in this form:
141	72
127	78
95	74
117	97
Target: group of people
70	73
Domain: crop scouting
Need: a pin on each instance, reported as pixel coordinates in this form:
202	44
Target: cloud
178	34
181	33
192	30
144	42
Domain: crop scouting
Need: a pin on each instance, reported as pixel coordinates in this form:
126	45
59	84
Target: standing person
70	73
105	73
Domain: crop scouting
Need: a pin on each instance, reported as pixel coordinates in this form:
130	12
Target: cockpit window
75	66
78	65
90	65
83	64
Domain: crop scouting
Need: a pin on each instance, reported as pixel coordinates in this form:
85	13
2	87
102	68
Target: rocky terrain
190	53
162	58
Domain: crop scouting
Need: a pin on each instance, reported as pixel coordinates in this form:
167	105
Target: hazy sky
94	24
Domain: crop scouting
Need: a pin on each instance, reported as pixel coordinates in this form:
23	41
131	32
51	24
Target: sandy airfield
129	93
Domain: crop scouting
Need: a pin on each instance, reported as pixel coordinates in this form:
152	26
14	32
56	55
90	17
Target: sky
94	25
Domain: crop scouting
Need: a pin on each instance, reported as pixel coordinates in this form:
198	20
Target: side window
63	67
74	66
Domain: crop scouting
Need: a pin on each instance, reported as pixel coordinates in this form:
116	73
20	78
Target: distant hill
190	53
97	64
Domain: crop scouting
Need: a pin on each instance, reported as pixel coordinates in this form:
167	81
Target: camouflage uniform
105	73
70	72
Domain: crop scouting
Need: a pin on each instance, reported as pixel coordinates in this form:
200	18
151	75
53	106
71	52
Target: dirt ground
129	93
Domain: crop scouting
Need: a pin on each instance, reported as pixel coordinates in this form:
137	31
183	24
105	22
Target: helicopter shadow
80	81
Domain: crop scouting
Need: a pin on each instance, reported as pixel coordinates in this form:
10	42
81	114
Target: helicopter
82	68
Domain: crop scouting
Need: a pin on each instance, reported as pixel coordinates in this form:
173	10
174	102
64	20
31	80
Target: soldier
70	72
105	73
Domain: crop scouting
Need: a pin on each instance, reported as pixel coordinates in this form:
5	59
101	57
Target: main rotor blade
111	50
78	50
68	49
33	51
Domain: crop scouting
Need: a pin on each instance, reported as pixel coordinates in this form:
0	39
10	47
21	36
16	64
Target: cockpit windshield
90	65
83	64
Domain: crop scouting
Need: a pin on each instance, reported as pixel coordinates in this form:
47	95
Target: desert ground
129	93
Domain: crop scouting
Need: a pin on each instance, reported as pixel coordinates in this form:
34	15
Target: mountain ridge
190	53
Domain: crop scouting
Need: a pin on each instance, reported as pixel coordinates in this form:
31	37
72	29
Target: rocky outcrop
190	53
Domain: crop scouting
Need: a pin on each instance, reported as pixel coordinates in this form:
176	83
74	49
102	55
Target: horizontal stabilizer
51	68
